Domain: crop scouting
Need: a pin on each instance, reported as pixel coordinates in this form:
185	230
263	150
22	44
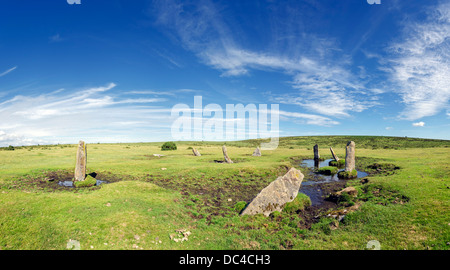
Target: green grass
367	142
298	204
109	218
403	208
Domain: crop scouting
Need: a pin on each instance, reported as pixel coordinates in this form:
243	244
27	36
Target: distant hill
370	142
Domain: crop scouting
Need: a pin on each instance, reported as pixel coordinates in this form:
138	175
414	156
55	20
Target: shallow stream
312	184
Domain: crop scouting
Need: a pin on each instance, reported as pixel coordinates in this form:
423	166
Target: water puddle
71	185
313	182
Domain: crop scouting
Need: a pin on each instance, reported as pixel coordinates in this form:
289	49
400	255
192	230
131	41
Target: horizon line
225	141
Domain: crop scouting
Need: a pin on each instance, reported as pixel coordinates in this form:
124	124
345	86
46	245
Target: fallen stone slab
274	197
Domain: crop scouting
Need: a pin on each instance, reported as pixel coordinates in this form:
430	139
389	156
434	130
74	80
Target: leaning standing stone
273	197
196	152
225	155
334	155
257	152
80	167
350	156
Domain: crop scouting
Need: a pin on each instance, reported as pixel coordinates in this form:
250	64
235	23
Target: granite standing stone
80	167
225	155
274	197
316	152
257	152
316	163
196	152
350	156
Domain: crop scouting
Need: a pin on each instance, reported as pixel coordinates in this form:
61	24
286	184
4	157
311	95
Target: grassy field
156	202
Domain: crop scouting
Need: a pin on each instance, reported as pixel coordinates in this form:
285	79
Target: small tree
169	146
11	148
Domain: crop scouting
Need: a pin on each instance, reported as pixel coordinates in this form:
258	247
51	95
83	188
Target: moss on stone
89	181
328	170
348	175
339	164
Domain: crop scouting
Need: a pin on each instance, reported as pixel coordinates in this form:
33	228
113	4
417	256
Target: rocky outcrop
274	197
337	196
349	190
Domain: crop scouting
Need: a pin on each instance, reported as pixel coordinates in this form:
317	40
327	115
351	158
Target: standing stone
334	155
273	197
316	163
80	167
350	156
316	152
196	152
225	155
257	152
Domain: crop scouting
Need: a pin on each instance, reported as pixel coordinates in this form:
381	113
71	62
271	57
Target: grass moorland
153	202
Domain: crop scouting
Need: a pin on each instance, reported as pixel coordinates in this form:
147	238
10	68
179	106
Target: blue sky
111	71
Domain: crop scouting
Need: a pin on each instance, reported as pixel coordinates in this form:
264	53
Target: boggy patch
379	194
374	193
339	206
312	214
48	181
215	196
235	160
381	168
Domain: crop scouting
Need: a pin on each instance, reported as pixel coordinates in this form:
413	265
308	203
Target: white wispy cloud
7	71
16	139
151	92
55	38
421	64
418	124
94	114
321	79
174	92
68	116
236	62
310	119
